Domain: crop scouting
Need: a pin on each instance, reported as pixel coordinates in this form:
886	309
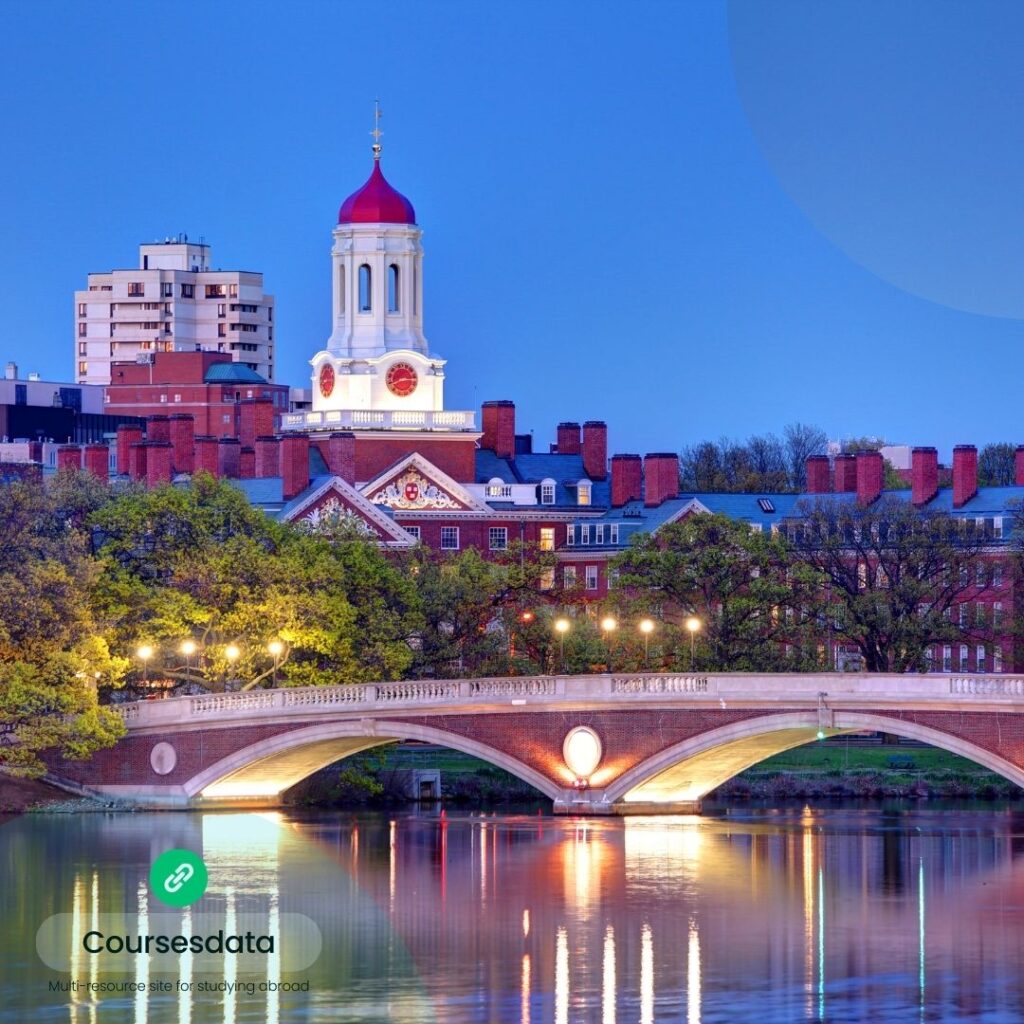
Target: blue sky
688	219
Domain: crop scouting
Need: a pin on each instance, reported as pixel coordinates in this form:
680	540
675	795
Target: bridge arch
689	770
267	768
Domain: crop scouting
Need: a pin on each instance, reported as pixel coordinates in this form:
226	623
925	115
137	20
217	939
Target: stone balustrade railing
590	690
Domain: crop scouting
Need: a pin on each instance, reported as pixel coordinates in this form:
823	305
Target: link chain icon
178	878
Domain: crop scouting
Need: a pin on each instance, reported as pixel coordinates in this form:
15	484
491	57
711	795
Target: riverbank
20	795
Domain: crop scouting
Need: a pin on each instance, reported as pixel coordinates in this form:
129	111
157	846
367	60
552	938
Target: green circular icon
178	877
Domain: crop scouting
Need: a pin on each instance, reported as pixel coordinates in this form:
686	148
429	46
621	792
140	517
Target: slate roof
234	373
564	469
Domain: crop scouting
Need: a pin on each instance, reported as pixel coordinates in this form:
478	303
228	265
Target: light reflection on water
853	915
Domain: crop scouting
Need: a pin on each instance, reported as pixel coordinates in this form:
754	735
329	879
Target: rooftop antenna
376	133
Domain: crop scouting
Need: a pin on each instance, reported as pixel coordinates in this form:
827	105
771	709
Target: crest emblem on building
412	490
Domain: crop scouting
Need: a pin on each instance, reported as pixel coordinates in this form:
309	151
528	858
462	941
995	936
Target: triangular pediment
334	500
692	507
417	485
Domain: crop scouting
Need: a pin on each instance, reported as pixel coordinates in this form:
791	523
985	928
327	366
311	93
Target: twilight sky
688	219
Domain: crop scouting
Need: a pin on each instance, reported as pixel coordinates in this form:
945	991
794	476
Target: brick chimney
229	452
206	456
255	419
137	461
595	449
818	481
268	457
69	456
627	479
97	460
294	464
127	435
158	462
158	428
1018	465
499	423
568	439
845	473
341	456
924	474
870	476
965	474
183	438
661	477
246	463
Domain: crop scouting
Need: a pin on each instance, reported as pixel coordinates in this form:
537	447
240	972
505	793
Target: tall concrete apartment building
173	302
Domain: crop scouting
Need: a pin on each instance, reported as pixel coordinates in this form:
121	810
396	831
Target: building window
947	658
547	579
221	309
365	288
599	533
449	538
215	291
583	492
979	576
997	574
497	538
341	292
591	577
585	533
547	492
547	538
570	535
413	531
964	652
979	614
963	615
568	577
21	390
997	615
188	291
81	309
997	659
233	291
136	288
82	348
393	288
81	330
222	330
980	654
83	367
613	533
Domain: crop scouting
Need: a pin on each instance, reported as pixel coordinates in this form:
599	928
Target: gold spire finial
376	133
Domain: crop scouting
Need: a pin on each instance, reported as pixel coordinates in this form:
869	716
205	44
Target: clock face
401	379
326	380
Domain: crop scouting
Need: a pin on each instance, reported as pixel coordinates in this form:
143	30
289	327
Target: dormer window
547	492
497	488
583	492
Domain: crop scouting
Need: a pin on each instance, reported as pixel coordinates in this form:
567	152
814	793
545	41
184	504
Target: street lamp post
144	653
231	652
647	628
562	626
693	625
608	626
188	648
275	647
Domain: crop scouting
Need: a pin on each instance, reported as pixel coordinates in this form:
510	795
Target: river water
883	913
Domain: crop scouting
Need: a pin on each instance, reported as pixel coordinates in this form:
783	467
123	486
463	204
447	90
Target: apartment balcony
365	419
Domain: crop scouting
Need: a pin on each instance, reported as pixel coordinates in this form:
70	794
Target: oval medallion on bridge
162	758
582	751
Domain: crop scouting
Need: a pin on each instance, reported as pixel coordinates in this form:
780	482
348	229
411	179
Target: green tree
750	597
893	576
52	655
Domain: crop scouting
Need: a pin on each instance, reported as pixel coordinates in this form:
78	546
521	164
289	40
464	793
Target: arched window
365	289
341	288
547	492
393	288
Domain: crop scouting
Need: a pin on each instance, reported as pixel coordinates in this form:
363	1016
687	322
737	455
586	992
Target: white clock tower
377	359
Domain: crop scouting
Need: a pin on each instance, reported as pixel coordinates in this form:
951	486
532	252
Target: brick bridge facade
594	744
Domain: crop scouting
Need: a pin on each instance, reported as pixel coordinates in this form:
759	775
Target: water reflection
781	916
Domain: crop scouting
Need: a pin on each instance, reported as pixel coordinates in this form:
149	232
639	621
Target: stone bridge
599	744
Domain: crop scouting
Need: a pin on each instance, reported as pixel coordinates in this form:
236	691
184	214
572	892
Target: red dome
376	203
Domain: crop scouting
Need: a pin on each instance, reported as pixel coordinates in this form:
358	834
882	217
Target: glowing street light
647	628
231	652
693	624
144	653
562	627
188	648
608	626
275	647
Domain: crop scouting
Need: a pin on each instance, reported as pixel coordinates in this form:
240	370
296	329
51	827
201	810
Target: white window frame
446	534
599	533
584	495
963	661
613	533
413	531
584	533
591	573
947	658
546	533
979	655
570	535
547	492
568	576
497	534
